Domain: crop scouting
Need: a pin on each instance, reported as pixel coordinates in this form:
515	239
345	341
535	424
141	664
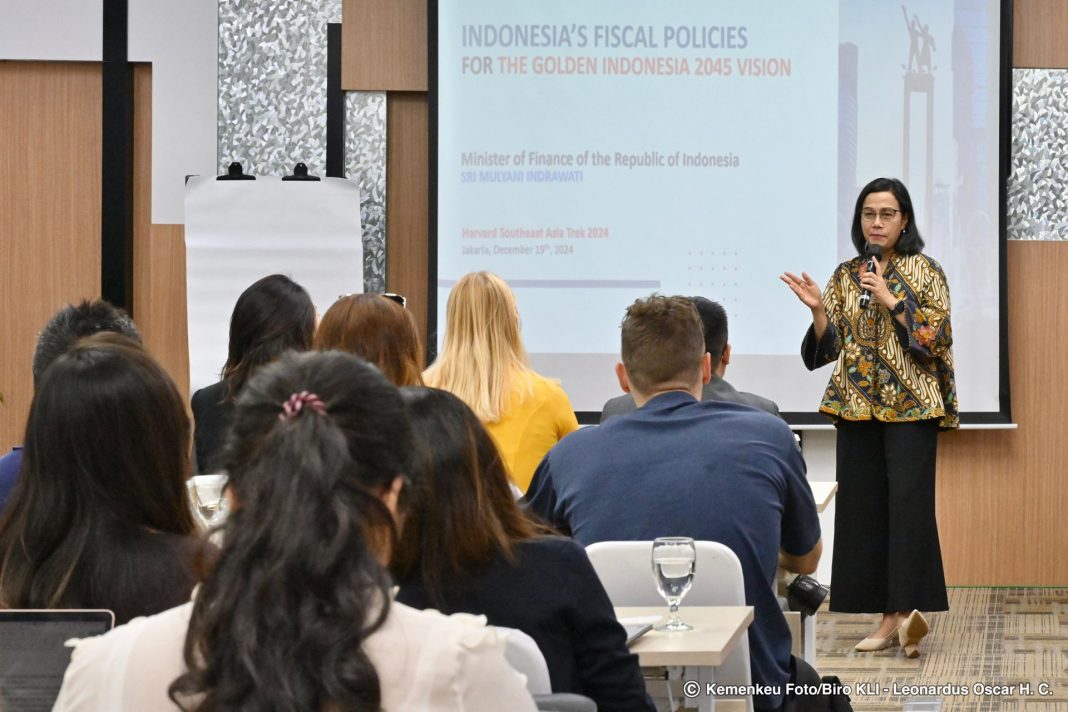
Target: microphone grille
875	251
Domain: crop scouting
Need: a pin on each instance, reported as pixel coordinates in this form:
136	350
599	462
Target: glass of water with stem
208	497
674	561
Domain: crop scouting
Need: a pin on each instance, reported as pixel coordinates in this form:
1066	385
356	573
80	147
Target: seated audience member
378	330
484	363
297	613
714	320
100	517
468	547
679	466
273	315
64	328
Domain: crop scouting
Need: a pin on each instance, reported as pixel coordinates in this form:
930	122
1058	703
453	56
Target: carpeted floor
1009	637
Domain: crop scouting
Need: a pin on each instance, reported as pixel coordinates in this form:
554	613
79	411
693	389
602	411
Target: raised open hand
805	288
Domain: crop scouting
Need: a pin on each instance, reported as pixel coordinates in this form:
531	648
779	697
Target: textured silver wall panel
365	163
1038	183
272	106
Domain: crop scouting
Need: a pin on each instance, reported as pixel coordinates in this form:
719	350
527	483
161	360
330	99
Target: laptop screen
33	657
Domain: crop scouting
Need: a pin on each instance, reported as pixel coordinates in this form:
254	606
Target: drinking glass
674	561
208	499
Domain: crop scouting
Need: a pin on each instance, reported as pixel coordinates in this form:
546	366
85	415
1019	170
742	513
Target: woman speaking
884	320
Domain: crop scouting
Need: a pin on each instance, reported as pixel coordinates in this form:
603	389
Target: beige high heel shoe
870	645
911	632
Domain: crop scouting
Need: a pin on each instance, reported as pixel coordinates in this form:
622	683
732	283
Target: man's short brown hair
663	343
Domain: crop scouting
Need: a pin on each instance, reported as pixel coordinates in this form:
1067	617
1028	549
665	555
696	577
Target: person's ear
706	368
726	357
391	495
621	374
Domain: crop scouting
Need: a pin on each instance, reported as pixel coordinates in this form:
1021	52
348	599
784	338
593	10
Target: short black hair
910	242
72	323
714	321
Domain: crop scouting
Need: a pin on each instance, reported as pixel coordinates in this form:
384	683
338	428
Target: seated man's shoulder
618	406
10	463
742	417
765	404
578	442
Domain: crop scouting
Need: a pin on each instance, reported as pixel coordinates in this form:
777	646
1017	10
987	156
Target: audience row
328	485
341	485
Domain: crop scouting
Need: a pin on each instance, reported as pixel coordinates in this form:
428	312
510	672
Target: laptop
33	656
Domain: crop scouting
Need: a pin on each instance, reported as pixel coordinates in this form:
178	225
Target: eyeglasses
885	215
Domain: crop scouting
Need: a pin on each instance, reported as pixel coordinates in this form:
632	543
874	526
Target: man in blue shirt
56	338
679	466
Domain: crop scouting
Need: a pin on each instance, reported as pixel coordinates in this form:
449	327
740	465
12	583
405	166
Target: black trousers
886	552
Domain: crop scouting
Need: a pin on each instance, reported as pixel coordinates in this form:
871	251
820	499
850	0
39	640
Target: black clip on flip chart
235	172
300	172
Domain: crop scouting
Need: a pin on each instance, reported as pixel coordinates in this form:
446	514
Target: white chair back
626	570
524	655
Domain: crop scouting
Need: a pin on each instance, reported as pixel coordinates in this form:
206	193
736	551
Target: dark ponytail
300	584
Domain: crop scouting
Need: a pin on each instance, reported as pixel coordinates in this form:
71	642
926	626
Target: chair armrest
565	702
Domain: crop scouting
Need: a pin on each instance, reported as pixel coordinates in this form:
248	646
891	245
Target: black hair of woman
273	315
106	456
316	455
463	510
910	242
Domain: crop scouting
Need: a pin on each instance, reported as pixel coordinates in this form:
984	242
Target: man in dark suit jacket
714	320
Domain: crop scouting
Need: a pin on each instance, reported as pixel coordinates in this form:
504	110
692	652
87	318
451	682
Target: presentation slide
593	152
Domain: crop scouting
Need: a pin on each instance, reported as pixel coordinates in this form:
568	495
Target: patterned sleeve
928	329
820	353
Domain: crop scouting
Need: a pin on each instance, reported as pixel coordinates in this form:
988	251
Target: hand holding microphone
874	253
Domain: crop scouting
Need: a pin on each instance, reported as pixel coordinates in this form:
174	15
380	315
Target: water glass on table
674	562
206	493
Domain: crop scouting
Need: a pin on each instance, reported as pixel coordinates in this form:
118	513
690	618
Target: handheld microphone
874	253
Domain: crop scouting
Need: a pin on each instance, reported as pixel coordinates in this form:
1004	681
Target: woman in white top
297	615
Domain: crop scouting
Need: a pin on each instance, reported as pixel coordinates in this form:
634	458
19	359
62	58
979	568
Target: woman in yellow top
891	391
483	362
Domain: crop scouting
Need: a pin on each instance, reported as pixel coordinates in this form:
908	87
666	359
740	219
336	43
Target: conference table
716	630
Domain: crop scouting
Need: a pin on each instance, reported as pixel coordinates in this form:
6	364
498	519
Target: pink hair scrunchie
294	405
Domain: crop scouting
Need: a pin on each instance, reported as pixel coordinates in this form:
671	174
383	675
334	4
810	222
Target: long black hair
463	512
105	460
910	242
274	315
301	583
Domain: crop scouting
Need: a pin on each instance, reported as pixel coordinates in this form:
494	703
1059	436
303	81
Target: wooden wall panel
1038	28
384	45
1002	494
159	304
407	199
50	138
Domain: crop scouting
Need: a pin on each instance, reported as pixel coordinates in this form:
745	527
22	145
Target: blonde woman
483	362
